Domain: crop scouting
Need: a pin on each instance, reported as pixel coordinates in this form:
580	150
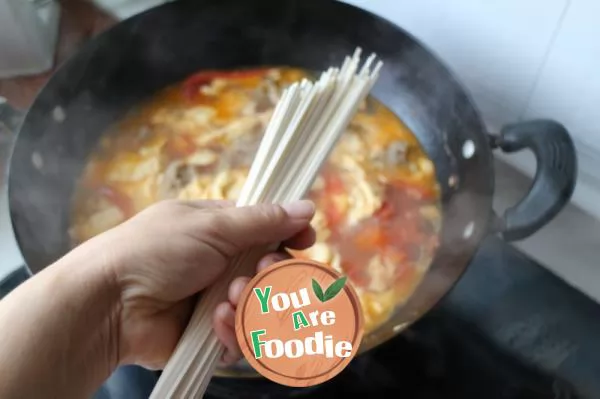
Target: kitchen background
519	59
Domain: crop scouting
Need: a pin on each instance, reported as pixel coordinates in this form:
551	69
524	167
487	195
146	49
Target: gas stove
509	329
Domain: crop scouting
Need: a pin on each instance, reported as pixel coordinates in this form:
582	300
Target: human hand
162	257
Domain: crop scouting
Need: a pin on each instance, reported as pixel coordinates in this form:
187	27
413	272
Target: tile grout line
534	86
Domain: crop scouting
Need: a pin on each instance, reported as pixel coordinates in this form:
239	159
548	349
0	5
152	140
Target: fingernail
303	209
271	259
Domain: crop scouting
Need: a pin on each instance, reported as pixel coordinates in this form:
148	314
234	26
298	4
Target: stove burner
440	357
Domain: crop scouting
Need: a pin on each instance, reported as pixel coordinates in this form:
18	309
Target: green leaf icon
334	289
330	292
318	290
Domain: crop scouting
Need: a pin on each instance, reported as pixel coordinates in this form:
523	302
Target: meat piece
227	184
195	189
396	153
176	176
273	92
263	98
244	149
390	156
381	272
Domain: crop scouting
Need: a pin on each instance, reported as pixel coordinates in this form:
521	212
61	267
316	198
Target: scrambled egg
224	185
217	131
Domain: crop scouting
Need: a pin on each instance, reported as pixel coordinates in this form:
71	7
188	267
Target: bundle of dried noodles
305	126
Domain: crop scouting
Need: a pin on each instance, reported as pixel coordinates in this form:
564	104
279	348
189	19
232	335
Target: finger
210	204
303	240
235	229
271	258
224	326
235	289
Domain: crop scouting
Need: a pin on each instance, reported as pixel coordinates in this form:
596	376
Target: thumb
238	229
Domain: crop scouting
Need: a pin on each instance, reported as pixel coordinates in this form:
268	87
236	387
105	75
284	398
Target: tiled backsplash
519	60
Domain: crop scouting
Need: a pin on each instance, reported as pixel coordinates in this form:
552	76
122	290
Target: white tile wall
496	47
519	60
569	84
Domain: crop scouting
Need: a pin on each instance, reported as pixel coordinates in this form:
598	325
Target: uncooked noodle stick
304	128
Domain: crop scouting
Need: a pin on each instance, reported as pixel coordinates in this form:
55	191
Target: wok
138	57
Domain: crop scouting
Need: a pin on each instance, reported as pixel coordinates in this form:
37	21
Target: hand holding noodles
304	128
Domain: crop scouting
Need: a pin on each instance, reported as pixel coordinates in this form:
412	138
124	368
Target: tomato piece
371	238
117	198
333	184
333	187
333	215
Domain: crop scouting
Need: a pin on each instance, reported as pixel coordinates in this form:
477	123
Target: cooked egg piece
133	167
381	272
202	157
321	252
101	221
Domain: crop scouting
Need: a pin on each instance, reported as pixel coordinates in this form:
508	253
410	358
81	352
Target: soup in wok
378	213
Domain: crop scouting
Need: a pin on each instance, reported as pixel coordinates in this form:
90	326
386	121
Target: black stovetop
509	329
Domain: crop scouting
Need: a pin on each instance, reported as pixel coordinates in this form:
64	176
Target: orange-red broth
378	214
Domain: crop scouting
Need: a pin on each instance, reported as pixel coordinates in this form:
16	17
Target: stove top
509	329
440	357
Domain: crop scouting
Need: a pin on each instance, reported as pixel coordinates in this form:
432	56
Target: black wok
139	56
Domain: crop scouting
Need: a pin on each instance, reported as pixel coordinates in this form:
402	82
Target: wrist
97	291
91	298
62	324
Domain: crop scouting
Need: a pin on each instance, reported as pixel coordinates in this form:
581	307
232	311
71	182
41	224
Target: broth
378	214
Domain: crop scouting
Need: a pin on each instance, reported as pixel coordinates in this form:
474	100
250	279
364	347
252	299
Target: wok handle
554	180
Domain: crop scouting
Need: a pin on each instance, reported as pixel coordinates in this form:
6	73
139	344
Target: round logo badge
299	323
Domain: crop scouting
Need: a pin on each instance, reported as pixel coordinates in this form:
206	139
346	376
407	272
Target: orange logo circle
299	323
